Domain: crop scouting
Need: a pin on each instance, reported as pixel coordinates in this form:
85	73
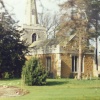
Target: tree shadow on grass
52	83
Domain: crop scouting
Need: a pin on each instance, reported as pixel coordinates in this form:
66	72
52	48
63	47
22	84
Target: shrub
34	73
6	75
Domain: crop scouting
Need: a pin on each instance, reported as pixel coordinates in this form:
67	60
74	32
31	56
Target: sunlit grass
59	89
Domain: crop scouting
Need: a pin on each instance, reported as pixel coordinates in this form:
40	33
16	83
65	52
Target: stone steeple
33	32
31	13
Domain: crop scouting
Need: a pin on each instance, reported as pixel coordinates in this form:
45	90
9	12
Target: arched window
34	37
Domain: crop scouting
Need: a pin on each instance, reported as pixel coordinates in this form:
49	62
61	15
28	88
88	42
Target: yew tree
12	52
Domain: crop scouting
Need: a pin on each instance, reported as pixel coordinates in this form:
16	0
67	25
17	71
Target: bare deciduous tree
49	20
74	21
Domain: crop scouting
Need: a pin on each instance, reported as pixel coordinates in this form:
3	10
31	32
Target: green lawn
59	89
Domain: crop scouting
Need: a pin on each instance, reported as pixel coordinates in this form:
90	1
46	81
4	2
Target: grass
59	89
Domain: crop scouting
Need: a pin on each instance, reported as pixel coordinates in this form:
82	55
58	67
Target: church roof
62	41
54	41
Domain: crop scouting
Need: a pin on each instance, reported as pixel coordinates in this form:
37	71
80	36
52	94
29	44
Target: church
51	52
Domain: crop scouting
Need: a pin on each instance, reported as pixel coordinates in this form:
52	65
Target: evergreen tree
81	17
12	52
34	73
74	21
93	12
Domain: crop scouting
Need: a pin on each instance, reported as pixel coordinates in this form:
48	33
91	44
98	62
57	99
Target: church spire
31	13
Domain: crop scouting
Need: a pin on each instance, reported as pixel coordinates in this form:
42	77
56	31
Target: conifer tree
12	53
74	21
93	13
81	17
34	73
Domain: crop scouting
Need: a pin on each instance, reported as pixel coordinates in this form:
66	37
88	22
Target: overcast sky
18	7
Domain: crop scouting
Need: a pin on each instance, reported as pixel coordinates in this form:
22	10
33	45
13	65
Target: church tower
31	12
33	32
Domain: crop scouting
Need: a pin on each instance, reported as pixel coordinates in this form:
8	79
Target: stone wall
88	65
30	30
54	62
61	65
65	65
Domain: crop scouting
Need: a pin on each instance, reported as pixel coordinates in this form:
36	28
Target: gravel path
11	91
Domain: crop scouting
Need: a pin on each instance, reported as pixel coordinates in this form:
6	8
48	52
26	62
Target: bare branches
50	21
75	21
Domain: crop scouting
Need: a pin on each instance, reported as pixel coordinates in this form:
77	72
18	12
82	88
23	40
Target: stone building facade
51	52
59	62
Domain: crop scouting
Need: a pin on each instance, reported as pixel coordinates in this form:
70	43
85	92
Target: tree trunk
96	53
96	38
80	57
